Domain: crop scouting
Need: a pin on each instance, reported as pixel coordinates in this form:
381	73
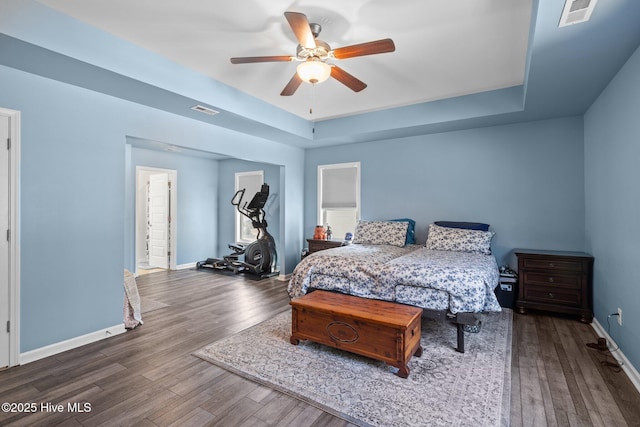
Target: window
251	182
339	197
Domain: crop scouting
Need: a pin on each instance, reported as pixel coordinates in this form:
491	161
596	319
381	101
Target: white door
4	242
159	220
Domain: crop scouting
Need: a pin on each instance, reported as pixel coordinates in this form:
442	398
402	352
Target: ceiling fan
313	53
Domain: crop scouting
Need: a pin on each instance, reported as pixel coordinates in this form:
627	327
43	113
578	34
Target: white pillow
381	233
459	240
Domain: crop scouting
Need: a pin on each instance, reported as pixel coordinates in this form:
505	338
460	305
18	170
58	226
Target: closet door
159	220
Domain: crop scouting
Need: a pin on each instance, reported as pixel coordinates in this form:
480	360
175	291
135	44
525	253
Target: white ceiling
443	48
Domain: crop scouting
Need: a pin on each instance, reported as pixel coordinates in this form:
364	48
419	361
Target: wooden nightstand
319	245
556	281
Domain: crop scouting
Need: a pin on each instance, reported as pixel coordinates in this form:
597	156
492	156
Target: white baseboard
53	349
284	277
627	367
186	266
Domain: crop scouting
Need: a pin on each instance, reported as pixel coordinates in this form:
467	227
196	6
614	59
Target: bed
452	276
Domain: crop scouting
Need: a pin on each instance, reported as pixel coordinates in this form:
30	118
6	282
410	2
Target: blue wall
75	224
196	210
525	180
612	157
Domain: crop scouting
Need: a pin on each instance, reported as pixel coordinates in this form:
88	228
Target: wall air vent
576	11
205	110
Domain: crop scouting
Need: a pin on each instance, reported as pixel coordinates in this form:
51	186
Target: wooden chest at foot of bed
381	330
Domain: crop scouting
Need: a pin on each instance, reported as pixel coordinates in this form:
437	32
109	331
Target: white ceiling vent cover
576	11
205	110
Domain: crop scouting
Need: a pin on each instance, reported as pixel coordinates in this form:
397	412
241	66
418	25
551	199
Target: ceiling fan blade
362	49
347	79
252	59
292	86
300	26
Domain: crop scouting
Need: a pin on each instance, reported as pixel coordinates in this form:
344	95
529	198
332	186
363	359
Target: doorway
156	231
9	254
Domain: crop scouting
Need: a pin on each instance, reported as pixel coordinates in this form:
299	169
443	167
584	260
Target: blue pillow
411	231
461	224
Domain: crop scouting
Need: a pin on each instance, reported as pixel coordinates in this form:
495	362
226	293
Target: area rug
444	387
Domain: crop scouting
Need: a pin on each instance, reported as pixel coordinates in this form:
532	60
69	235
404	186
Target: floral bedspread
464	281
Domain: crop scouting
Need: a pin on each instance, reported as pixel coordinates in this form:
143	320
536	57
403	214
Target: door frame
173	198
14	241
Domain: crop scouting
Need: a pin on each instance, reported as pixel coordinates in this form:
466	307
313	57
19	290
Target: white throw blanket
132	313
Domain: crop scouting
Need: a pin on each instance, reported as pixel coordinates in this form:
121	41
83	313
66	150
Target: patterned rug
444	388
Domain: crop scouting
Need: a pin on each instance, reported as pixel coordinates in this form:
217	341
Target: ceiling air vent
205	110
576	11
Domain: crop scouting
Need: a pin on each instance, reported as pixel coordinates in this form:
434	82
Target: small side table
319	245
556	281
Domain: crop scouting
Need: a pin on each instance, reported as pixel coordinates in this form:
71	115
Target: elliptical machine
260	257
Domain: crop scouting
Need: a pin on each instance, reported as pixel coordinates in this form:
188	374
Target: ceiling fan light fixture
314	71
312	53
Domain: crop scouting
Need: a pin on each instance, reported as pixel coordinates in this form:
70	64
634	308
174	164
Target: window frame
321	169
240	219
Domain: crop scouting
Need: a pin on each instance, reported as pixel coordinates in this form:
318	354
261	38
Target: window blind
251	183
339	188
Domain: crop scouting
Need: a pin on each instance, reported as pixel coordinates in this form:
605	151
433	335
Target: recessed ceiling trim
498	50
576	11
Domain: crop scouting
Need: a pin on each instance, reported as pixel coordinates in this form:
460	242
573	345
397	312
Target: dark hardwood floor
149	377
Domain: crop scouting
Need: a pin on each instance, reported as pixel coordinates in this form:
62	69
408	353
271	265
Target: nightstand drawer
549	295
548	278
552	264
320	245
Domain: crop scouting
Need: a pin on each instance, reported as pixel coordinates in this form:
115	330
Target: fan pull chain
313	88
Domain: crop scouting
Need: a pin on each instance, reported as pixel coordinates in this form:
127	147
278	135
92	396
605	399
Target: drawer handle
551	295
552	265
550	279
